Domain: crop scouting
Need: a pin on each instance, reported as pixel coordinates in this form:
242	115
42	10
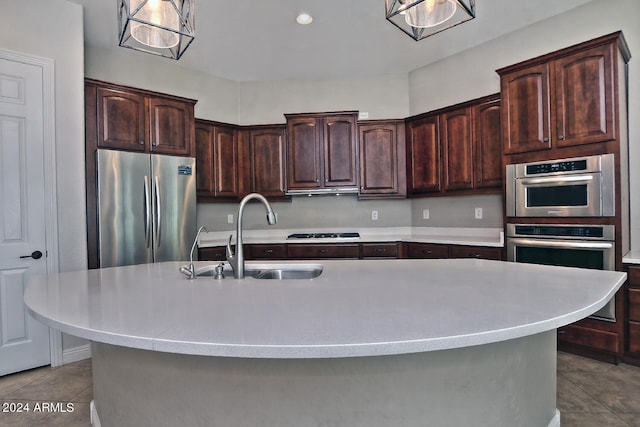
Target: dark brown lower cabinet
319	251
217	253
266	251
426	250
379	250
479	252
368	250
633	313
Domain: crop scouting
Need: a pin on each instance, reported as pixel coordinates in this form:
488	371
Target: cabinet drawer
267	252
217	253
379	250
634	337
298	251
634	304
592	338
475	252
634	276
422	250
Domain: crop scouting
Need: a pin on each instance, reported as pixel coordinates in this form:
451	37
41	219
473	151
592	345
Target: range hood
335	191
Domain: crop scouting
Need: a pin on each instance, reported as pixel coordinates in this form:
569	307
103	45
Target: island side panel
506	383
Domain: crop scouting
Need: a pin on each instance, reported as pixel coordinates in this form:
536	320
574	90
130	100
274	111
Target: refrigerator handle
147	212
158	210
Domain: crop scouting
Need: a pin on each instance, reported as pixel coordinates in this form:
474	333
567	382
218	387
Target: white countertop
632	257
355	308
493	237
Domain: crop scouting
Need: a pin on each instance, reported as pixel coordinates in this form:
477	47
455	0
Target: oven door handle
555	179
561	244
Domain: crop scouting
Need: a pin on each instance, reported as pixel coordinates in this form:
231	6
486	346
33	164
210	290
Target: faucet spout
237	260
190	271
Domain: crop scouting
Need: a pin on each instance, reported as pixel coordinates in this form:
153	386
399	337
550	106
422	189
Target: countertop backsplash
348	212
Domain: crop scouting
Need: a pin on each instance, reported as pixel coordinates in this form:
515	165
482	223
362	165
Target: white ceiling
259	40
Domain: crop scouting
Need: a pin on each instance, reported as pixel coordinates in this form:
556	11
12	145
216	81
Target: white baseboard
75	354
93	412
555	421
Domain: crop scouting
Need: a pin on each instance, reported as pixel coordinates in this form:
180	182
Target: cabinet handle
561	137
323	251
141	142
545	139
268	251
381	250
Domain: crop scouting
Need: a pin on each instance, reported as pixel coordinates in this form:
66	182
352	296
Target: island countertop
354	308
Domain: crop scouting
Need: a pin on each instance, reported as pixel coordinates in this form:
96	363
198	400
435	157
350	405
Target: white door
24	342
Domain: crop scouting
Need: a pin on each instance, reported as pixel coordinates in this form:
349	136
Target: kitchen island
367	343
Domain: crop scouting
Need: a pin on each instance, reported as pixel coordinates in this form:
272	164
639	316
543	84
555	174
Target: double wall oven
570	189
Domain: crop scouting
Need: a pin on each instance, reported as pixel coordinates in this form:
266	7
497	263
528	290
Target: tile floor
590	393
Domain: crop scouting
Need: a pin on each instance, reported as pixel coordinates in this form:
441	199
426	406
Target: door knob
34	255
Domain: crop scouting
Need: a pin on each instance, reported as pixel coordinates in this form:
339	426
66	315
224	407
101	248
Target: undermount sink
269	271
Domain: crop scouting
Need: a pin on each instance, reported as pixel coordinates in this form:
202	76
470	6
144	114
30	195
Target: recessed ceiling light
304	19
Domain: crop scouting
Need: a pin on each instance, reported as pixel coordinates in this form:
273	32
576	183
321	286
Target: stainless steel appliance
582	246
146	207
581	186
325	235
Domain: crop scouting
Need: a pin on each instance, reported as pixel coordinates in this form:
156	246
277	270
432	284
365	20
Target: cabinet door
458	149
218	253
525	114
121	120
488	145
584	97
423	156
340	151
426	250
204	159
170	127
303	153
320	251
266	157
225	162
480	252
378	159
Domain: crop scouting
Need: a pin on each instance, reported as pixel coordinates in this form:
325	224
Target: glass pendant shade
423	18
160	27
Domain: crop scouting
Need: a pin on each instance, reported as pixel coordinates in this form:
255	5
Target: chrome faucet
190	271
237	261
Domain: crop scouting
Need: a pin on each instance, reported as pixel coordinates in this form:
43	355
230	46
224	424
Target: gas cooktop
350	235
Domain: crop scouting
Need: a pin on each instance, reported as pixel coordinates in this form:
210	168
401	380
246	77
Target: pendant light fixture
159	27
423	18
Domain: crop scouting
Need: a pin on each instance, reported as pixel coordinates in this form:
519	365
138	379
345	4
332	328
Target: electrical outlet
363	115
478	213
230	219
374	215
425	214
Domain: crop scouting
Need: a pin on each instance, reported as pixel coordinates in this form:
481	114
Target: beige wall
383	97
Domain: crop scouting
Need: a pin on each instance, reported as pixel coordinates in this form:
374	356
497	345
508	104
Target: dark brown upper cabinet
217	160
322	151
423	155
564	99
472	146
458	153
488	143
382	159
456	149
265	172
136	120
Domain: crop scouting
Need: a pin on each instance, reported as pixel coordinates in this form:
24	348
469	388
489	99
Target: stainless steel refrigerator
146	207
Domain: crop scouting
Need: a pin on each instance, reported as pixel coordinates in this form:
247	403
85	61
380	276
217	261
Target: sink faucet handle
230	255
